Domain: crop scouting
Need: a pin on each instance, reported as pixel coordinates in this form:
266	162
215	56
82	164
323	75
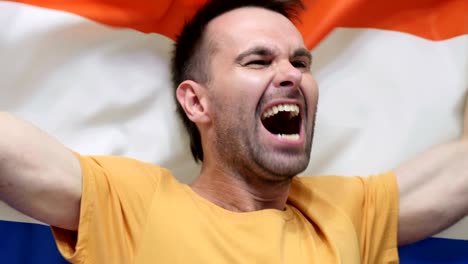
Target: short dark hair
189	60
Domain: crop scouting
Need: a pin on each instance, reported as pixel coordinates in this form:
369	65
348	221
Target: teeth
291	108
289	137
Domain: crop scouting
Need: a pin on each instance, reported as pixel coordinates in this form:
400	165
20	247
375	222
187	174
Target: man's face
263	97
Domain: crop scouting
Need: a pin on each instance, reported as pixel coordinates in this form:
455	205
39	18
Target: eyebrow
263	51
302	52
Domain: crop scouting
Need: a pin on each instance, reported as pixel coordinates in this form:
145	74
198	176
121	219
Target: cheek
252	83
244	86
310	89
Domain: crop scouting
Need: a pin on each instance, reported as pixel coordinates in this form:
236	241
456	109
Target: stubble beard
240	151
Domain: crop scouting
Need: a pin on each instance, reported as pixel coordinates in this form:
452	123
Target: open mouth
283	120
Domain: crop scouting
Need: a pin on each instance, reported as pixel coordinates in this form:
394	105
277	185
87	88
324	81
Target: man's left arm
433	189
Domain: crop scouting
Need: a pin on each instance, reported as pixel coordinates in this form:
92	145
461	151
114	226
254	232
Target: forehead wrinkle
227	32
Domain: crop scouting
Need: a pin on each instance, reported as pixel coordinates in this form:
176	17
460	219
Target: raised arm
38	176
434	189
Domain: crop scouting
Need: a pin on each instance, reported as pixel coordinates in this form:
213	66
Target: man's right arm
38	176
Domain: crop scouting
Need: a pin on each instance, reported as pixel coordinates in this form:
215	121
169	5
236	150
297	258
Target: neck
240	193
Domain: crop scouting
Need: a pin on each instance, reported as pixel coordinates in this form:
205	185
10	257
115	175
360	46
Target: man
248	99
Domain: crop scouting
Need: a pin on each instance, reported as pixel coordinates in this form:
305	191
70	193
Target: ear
193	98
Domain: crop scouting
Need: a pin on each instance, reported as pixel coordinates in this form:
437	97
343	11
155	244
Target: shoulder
121	164
364	209
329	186
351	195
125	170
340	186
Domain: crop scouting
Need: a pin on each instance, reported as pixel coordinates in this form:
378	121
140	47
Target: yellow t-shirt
135	212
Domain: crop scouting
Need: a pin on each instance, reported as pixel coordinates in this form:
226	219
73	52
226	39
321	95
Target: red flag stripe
430	19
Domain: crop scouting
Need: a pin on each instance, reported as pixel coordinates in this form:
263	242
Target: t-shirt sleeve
379	221
116	195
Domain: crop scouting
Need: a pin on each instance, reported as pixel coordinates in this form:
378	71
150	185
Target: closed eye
259	62
300	64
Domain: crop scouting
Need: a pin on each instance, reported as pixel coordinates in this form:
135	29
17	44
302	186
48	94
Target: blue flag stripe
24	243
435	250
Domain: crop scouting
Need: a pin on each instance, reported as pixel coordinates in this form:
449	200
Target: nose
287	76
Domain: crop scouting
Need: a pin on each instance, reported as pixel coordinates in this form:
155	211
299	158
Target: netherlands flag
393	77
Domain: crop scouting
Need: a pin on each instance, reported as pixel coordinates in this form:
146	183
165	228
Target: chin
285	166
